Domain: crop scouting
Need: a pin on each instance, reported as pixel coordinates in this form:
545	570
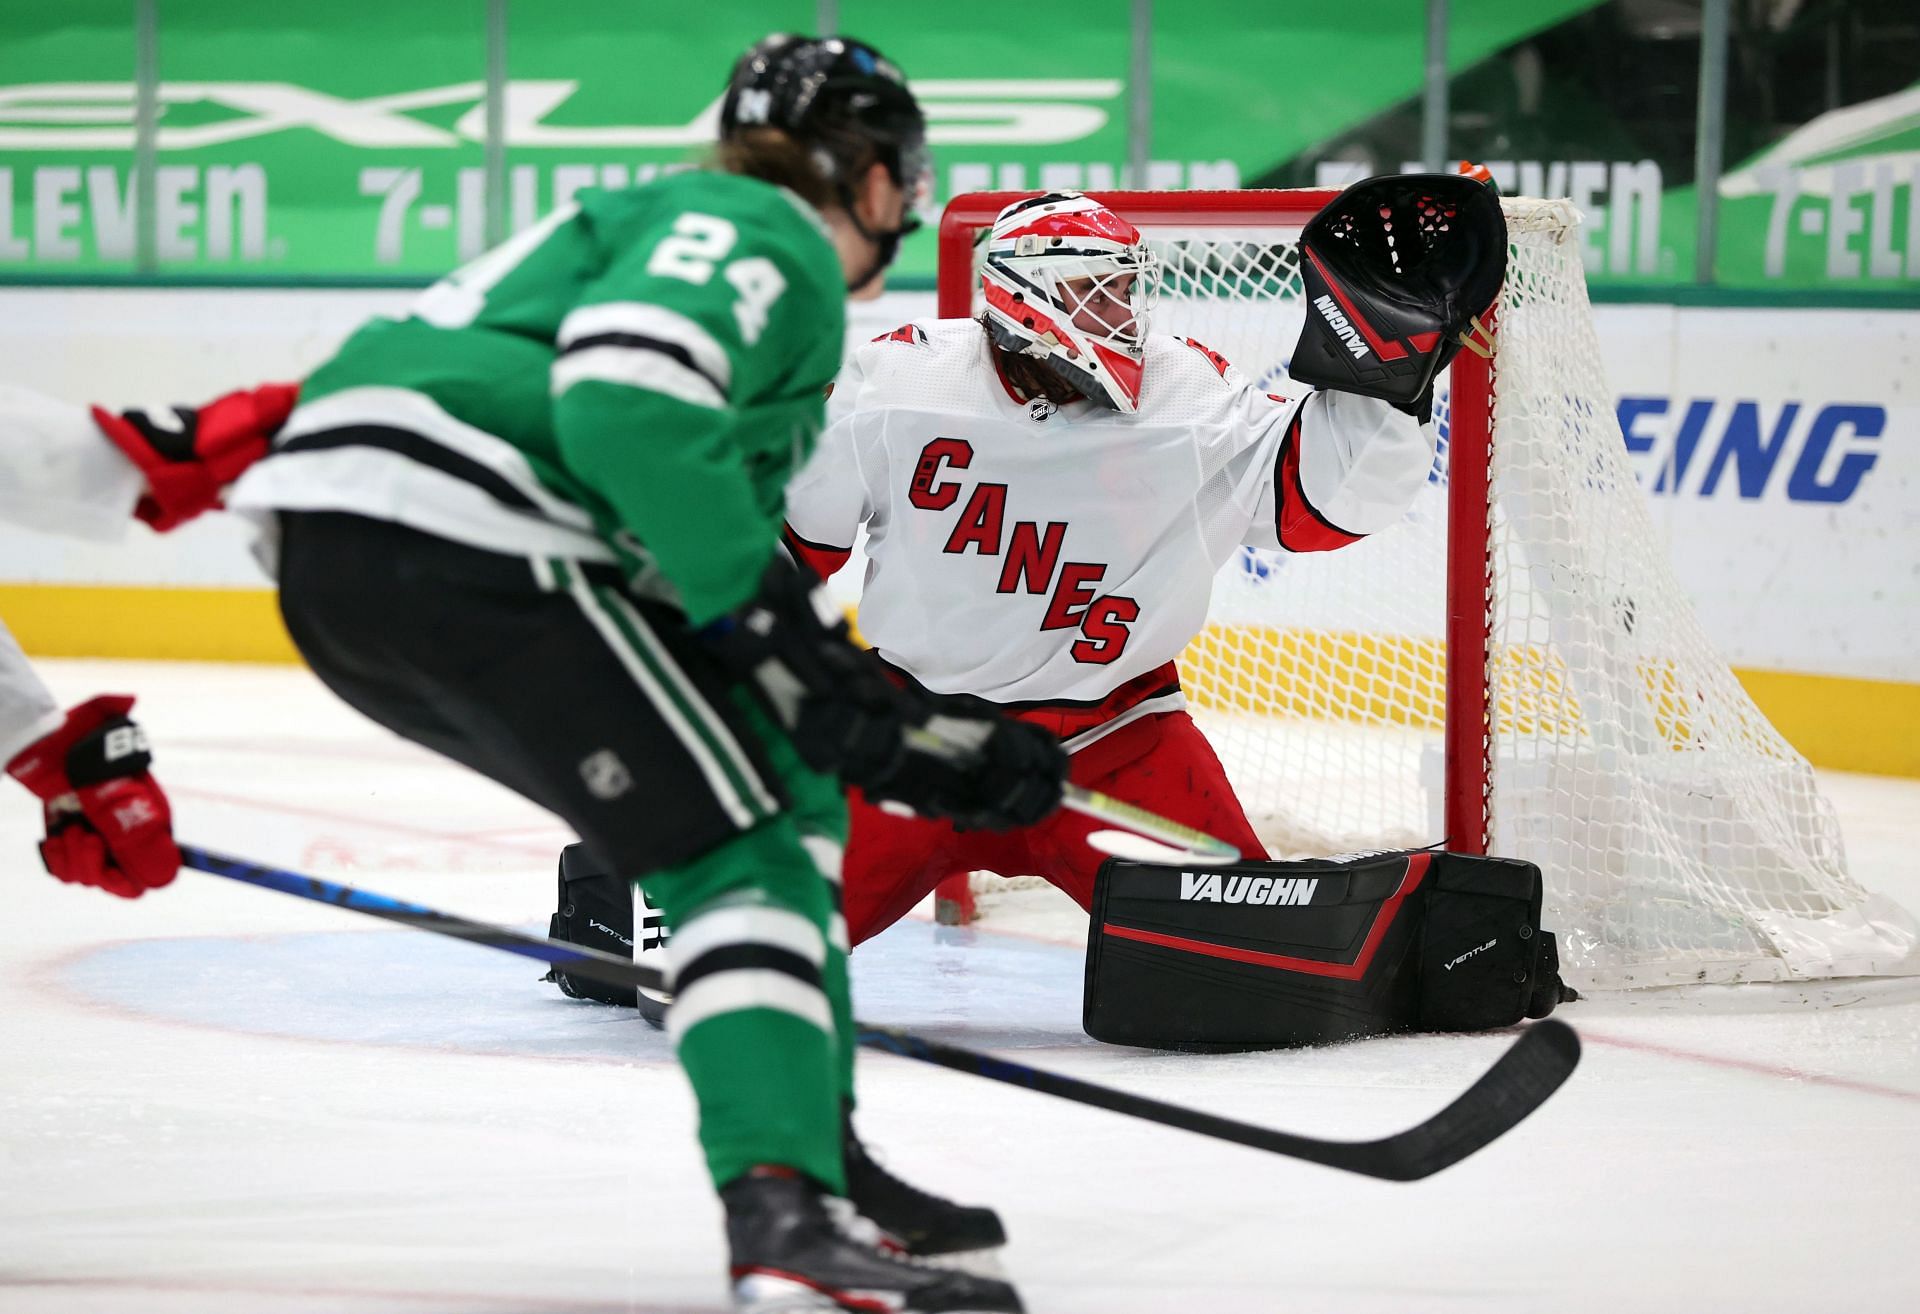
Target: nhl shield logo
606	776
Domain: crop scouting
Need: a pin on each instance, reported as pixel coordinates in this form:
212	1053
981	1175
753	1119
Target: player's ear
880	202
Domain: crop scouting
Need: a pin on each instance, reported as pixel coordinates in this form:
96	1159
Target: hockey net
1514	668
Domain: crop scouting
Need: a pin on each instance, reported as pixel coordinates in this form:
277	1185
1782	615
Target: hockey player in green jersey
534	525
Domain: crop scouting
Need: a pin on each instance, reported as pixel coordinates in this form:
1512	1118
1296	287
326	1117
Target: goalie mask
1070	284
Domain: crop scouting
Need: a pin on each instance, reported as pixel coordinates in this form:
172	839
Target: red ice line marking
372	823
1754	1066
297	1291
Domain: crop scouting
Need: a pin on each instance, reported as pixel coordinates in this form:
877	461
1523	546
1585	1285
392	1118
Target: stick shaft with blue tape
577	959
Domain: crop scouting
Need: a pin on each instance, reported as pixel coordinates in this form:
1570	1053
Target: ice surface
221	1099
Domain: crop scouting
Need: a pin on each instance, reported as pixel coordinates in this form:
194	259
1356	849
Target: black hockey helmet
841	98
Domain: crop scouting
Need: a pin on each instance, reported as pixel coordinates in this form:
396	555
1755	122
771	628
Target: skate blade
985	1263
982	1262
781	1293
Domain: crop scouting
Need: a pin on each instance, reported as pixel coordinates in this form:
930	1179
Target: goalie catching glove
937	756
1398	269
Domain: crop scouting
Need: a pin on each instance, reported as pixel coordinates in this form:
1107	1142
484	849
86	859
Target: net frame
1820	922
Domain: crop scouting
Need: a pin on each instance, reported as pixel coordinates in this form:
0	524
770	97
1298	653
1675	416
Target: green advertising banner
1835	203
351	141
66	140
1831	206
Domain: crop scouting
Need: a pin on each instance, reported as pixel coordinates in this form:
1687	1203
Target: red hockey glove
107	821
189	454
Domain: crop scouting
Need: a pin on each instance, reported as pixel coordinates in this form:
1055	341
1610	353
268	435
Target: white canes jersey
58	473
1062	557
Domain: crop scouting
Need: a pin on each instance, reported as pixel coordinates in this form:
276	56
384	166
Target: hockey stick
1533	1067
1149	837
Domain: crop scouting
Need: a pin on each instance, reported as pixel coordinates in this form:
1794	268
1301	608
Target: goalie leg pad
1295	953
598	909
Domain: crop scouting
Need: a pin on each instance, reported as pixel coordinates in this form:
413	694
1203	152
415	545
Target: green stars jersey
634	379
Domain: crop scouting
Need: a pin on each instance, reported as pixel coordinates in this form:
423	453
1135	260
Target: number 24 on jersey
701	241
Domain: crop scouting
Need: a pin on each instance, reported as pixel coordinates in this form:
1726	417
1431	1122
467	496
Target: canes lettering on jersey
1032	555
1054	564
927	493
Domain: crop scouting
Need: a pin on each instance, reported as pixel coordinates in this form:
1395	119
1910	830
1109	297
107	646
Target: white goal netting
1682	839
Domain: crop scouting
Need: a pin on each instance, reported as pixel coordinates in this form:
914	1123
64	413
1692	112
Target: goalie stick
1533	1067
1149	837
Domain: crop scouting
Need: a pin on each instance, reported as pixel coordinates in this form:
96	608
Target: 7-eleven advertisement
350	140
1833	205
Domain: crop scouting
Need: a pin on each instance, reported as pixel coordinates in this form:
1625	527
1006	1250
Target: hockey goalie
1048	493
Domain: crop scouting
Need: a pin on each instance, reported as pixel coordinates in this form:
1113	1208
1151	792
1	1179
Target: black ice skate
923	1225
653	1005
789	1257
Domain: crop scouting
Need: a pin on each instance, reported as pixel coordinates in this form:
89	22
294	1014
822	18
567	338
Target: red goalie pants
1161	762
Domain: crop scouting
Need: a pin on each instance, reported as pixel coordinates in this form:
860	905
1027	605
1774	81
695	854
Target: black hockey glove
979	770
791	643
1397	269
935	756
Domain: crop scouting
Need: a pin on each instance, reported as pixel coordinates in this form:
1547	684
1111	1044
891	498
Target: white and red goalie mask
1069	283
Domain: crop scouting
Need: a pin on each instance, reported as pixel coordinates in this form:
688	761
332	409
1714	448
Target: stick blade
1522	1079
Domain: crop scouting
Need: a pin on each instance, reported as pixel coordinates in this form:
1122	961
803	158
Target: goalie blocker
1295	953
